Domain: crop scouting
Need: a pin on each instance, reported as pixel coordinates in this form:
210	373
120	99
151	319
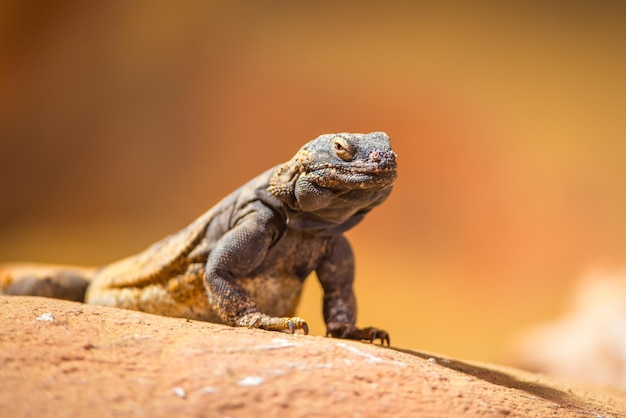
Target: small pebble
250	381
48	317
180	392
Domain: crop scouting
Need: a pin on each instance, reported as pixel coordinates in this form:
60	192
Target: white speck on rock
250	381
180	392
432	360
276	372
48	317
296	365
371	359
208	390
324	366
277	343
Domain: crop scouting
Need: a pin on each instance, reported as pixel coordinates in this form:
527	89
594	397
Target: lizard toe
273	323
351	332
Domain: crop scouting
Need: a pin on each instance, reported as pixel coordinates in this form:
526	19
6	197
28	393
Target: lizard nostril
386	158
375	155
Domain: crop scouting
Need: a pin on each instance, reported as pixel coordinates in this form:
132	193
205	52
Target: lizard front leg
237	253
336	274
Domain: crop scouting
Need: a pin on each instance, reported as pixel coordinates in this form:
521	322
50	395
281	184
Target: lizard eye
342	149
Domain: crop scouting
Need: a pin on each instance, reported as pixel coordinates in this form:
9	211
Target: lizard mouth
368	179
355	175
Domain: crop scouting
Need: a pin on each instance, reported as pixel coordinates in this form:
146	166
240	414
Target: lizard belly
184	295
180	296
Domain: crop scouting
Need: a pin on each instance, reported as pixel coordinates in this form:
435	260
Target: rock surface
64	358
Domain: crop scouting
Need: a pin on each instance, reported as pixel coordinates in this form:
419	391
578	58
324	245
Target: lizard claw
380	334
302	325
254	322
351	332
345	332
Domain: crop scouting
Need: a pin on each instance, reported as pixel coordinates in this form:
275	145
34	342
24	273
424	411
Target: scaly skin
244	261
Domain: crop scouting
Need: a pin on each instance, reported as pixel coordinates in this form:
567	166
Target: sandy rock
63	358
588	343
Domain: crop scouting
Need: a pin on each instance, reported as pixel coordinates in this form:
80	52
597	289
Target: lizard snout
385	159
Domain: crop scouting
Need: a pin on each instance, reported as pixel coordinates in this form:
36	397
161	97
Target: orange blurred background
120	122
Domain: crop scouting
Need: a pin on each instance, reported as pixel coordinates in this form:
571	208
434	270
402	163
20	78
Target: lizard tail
53	281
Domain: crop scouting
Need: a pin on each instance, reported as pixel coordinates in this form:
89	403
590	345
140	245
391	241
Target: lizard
244	261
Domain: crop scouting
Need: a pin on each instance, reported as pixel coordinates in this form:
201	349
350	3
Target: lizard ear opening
283	181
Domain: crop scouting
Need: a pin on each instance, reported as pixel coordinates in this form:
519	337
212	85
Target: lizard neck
321	225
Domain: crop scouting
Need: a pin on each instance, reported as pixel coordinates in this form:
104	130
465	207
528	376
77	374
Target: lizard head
347	161
339	174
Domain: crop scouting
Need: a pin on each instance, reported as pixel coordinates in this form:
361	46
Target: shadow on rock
502	378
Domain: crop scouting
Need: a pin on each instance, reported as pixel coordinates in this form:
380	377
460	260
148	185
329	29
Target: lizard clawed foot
273	323
351	332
